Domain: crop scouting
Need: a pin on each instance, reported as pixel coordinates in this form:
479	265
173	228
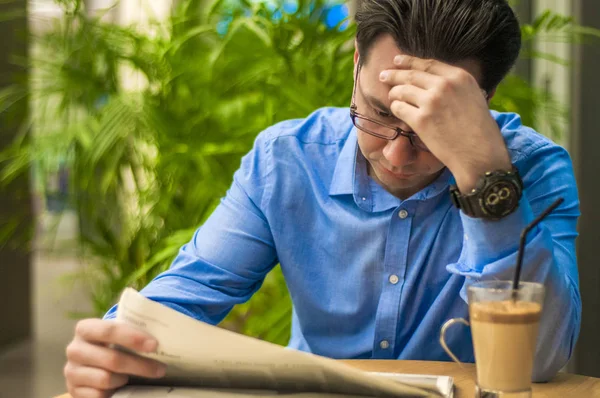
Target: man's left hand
446	108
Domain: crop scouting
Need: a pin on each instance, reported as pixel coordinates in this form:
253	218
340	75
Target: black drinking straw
523	239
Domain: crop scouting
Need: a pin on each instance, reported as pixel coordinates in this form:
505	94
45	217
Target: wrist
468	174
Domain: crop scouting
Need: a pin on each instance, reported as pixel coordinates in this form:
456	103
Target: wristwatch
495	196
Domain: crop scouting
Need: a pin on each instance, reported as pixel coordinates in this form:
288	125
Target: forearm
194	298
559	326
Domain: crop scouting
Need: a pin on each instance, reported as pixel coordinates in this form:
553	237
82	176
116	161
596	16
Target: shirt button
384	345
393	279
403	214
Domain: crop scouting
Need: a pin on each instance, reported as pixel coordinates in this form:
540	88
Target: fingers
406	112
415	78
114	332
431	66
93	377
83	353
94	370
412	95
428	74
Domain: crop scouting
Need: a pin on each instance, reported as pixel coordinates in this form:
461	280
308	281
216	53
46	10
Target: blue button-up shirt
370	275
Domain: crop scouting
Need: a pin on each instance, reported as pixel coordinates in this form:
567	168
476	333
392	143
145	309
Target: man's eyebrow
374	101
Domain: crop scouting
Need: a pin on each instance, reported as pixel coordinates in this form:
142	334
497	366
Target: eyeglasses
380	129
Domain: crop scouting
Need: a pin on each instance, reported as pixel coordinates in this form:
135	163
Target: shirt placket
394	272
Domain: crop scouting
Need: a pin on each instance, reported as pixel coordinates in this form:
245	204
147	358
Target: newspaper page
201	355
186	392
443	384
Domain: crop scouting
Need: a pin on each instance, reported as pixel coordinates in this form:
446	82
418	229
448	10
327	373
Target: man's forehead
381	54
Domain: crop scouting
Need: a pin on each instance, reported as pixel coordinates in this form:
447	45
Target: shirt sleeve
490	251
229	256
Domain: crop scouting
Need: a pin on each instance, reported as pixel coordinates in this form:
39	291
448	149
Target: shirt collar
342	182
441	184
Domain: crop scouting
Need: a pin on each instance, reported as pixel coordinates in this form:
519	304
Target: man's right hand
95	370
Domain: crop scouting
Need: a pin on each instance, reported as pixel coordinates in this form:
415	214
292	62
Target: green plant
148	165
537	107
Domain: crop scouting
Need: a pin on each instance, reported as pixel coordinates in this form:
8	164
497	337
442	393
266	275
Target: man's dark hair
446	30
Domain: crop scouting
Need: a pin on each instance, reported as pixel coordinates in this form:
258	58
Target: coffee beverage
504	339
504	324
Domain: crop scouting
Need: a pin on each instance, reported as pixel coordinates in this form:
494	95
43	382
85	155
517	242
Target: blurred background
121	124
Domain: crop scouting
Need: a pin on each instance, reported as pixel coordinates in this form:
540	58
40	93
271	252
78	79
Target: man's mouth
396	174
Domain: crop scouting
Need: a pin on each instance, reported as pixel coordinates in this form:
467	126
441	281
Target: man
357	208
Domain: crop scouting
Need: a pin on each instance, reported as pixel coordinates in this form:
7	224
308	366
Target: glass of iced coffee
504	325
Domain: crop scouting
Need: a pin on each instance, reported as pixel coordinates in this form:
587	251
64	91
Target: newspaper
207	361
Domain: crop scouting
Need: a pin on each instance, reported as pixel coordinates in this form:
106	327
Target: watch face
499	198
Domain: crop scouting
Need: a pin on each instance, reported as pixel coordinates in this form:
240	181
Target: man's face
396	165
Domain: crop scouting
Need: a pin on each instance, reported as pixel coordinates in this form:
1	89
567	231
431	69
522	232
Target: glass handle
443	336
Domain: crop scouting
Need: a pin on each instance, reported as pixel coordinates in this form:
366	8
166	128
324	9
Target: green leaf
189	35
546	56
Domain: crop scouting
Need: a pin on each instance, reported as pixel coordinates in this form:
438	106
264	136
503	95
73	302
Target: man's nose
399	152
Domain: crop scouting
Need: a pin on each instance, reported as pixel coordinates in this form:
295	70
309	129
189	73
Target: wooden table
564	385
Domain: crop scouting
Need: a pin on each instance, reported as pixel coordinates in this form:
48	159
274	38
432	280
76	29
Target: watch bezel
488	191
